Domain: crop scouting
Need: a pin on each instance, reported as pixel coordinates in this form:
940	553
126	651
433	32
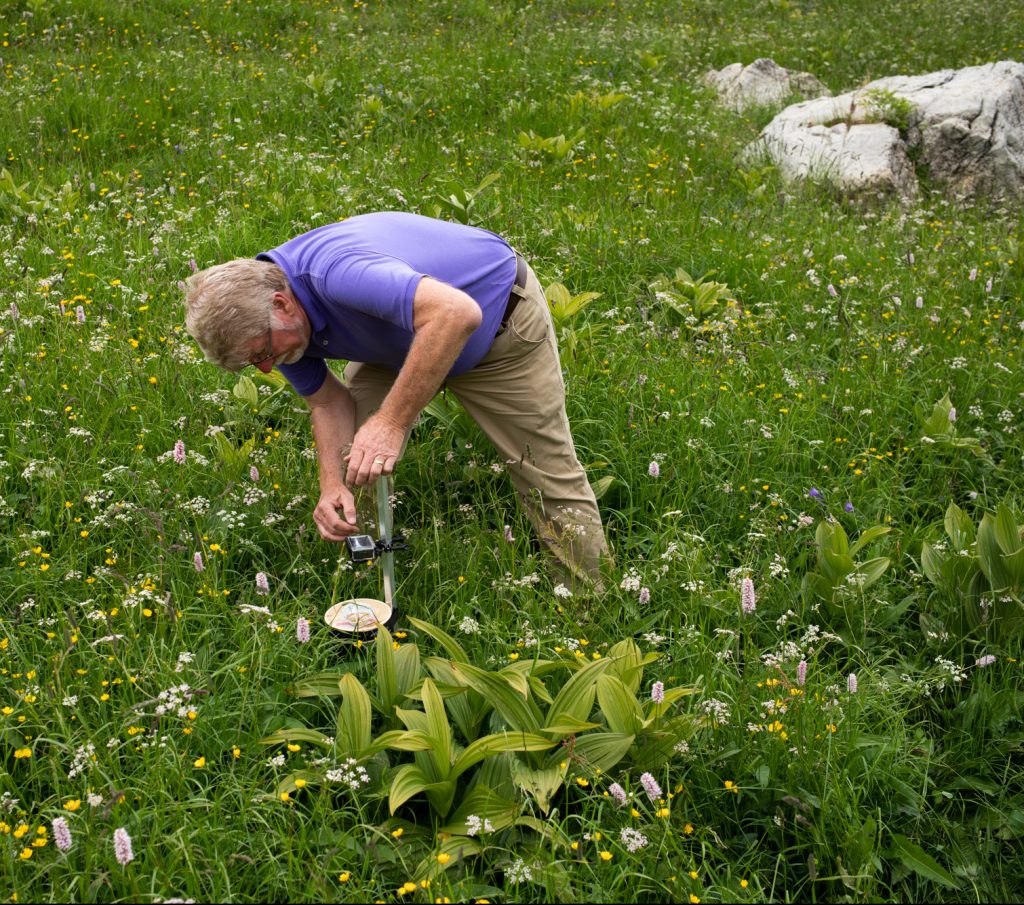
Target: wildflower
179	451
919	302
444	858
61	834
262	584
398	832
254	473
518	872
743	884
987	660
617	792
509	538
658	692
749	603
605	856
199	763
849	506
851	683
26	853
344	876
632	839
651	786
474	825
952	414
197	562
814	493
80	314
694	900
72	804
302	630
645	596
654	469
801	672
973	275
22	752
832	291
123	847
730	786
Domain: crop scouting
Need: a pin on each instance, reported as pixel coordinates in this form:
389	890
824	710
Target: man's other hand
375	451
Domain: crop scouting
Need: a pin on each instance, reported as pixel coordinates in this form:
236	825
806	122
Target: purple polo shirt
356	280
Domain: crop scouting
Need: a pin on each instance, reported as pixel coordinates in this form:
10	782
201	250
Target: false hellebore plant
483	742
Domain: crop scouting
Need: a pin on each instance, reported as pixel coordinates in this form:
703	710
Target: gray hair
229	305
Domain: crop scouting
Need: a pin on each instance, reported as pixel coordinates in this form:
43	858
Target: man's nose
266	366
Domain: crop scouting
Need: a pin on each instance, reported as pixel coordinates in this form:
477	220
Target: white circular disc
358	616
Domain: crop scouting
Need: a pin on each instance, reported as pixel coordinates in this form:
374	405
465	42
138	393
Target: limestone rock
966	126
764	83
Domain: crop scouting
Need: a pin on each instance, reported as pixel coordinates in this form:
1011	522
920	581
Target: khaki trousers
517	396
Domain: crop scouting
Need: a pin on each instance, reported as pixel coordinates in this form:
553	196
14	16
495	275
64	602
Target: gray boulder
966	126
764	83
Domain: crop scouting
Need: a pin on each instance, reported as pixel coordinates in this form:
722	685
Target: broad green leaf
387	674
245	390
407	667
355	715
1006	532
322	684
990	556
467	709
626	663
921	863
401	740
575	699
620	708
872	570
438	728
602	485
835	566
602	750
450	645
497	743
512	707
831	536
959	527
541	783
931	564
867	536
567	725
298	734
1014	564
409	780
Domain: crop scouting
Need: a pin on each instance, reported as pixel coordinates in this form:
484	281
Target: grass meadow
803	416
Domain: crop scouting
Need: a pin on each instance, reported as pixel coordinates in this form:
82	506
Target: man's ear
283	302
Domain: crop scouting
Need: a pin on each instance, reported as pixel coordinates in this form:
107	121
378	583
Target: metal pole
385	489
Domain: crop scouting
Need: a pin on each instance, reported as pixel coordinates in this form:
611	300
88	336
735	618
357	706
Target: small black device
361	547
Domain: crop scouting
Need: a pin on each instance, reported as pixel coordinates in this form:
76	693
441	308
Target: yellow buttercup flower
605	856
72	804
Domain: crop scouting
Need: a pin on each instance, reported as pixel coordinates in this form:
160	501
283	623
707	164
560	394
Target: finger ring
379	460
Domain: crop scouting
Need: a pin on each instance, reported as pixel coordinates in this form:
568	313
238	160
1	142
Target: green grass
199	133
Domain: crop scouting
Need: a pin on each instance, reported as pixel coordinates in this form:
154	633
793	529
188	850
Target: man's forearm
333	424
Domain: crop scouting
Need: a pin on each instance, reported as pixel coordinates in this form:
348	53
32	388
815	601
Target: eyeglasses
261	357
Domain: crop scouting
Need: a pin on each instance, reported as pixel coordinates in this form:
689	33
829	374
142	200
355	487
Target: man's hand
332	501
375	450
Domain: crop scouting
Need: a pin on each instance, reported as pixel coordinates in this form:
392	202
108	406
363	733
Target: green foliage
458	203
556	147
564	307
24	199
695	303
839	583
887	107
978	576
939	428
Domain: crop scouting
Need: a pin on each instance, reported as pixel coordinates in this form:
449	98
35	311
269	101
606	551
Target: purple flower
814	493
61	834
849	506
262	584
973	275
651	786
987	660
952	414
832	290
197	561
658	692
302	630
617	792
749	602
123	846
851	683
192	265
254	473
801	672
80	314
654	469
179	452
645	596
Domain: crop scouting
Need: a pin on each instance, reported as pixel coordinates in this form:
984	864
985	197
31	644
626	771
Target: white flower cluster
85	757
174	700
475	825
350	773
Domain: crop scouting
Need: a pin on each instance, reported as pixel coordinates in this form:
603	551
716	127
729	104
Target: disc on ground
362	615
